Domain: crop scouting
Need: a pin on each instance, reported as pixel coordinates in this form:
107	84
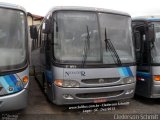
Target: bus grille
100	80
101	94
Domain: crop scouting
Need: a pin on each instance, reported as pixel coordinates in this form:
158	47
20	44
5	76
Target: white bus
147	46
14	71
84	55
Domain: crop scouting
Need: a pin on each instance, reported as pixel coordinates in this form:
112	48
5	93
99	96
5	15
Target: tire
44	84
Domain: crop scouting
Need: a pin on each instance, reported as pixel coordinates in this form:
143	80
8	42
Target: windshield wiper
86	47
111	49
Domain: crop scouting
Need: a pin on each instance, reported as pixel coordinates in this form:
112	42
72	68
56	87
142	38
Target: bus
14	71
84	55
146	32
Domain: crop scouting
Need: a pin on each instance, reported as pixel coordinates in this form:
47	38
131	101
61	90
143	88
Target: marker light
156	77
58	83
25	79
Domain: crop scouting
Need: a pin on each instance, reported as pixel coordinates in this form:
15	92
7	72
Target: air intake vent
101	94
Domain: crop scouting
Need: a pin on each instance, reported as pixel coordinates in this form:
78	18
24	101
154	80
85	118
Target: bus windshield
81	36
155	50
12	37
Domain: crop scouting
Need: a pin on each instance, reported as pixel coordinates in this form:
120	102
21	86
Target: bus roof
87	9
146	19
11	6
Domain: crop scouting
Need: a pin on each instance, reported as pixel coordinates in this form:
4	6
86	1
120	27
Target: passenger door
143	59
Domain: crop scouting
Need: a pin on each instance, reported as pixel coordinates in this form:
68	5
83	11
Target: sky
133	7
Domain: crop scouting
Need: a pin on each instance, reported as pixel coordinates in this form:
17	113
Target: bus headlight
128	80
67	83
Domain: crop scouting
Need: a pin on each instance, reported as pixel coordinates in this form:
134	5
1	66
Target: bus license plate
102	100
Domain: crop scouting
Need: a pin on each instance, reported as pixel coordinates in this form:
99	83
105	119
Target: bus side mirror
33	32
137	40
151	33
46	26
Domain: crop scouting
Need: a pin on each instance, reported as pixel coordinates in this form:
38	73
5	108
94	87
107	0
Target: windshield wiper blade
111	49
86	47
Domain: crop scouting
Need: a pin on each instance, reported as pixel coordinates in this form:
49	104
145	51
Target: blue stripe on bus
5	84
144	74
153	19
121	72
10	82
49	76
125	71
15	81
129	71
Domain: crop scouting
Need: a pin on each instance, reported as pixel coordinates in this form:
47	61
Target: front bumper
155	91
60	100
14	101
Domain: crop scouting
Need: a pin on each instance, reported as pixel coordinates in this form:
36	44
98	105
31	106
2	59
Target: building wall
34	22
